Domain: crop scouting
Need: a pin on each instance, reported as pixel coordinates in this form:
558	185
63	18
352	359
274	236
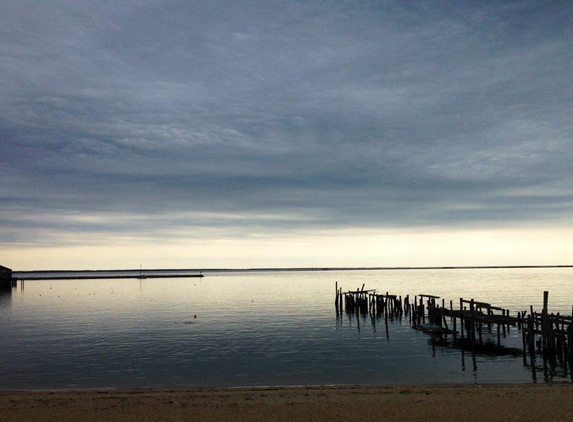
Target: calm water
276	328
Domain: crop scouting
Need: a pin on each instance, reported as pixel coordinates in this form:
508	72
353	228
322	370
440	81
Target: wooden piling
544	321
472	327
531	332
462	320
523	343
336	289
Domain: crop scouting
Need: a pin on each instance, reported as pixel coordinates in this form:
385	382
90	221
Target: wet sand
546	402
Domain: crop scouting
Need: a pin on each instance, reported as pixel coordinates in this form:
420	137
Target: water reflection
251	329
5	295
553	367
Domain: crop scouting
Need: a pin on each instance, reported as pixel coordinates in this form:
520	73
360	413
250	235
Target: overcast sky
177	122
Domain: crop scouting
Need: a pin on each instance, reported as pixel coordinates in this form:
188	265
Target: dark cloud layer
271	116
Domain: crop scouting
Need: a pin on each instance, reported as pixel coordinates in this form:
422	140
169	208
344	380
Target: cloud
318	115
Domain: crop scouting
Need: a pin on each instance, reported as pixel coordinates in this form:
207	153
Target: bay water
263	328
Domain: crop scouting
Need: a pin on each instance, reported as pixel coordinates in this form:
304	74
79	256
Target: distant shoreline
294	269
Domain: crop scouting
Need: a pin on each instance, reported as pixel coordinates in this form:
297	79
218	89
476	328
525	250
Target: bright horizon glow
334	248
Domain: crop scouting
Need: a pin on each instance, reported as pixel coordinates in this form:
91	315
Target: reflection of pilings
6	283
490	348
545	334
5	289
550	335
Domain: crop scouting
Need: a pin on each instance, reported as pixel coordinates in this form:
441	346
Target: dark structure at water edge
546	337
6	278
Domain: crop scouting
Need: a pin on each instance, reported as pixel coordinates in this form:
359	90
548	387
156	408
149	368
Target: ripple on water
253	329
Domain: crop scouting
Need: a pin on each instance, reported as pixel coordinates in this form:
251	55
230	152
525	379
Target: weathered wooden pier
544	335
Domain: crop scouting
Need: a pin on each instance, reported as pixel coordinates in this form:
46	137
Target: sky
193	134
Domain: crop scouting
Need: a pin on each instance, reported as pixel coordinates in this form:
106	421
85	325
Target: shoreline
507	402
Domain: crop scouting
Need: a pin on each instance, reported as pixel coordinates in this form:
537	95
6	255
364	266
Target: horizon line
261	269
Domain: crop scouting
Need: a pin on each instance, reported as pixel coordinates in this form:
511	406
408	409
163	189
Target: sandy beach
547	402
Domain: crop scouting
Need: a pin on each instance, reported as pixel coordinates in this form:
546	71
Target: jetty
465	323
10	278
99	276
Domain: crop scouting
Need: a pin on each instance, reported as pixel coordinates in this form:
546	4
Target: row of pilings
543	334
367	302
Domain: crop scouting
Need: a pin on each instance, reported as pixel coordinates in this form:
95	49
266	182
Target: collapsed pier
467	322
